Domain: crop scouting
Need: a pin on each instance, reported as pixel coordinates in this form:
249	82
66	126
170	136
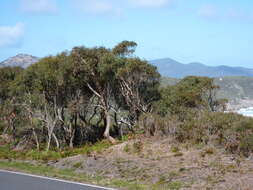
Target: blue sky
213	32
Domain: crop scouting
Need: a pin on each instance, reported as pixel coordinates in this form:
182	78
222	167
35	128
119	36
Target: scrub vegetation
103	112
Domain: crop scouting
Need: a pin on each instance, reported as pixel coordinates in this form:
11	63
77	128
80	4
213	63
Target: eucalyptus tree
97	67
137	80
138	83
53	95
192	92
9	112
117	79
7	76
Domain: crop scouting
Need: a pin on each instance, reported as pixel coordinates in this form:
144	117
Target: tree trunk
56	141
6	129
49	141
118	126
50	128
107	128
71	145
36	139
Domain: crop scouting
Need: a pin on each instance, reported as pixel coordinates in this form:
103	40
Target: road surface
20	181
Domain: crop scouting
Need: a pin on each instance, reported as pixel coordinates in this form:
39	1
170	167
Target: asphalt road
20	181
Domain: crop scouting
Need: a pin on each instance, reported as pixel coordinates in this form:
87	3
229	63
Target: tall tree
138	82
97	68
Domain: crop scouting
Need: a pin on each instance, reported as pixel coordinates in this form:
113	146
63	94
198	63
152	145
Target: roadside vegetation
109	106
69	174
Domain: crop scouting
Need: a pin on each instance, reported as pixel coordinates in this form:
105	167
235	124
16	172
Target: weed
77	165
207	151
127	148
137	147
175	149
175	185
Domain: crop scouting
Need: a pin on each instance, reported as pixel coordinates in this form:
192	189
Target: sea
246	111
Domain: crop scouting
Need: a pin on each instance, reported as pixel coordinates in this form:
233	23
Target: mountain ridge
171	68
167	67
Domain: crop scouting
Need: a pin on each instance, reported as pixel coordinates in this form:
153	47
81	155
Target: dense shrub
229	130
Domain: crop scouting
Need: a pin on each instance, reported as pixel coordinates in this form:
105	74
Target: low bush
232	131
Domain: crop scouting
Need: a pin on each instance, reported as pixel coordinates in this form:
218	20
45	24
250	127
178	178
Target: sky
213	32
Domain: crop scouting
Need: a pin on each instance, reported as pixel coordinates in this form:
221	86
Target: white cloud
117	7
38	6
11	36
104	7
150	3
208	11
212	12
236	13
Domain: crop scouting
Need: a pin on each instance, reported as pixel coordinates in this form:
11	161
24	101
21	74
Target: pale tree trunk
36	139
6	129
50	128
56	141
104	104
107	128
72	132
71	145
49	142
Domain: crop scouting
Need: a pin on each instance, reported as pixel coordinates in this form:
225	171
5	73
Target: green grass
41	157
70	174
77	165
39	167
7	153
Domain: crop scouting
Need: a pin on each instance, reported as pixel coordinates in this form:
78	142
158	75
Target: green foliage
175	149
124	48
190	93
76	97
232	131
7	77
58	99
127	148
231	87
77	165
7	152
69	174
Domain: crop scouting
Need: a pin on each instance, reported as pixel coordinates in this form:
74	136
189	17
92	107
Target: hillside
21	60
235	87
171	68
238	90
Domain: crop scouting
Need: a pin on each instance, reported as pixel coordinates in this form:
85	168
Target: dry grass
156	162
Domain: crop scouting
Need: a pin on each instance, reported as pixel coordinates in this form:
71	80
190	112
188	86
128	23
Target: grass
7	153
69	174
23	164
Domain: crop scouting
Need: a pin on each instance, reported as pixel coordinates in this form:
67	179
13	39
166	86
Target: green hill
233	88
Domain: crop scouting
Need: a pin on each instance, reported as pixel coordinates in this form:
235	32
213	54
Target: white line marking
54	179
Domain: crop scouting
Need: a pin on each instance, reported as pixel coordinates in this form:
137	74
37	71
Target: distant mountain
22	60
171	68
